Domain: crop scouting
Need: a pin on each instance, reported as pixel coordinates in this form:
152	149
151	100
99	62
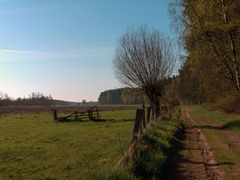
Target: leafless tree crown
144	57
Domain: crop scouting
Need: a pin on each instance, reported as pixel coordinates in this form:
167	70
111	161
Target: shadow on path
187	160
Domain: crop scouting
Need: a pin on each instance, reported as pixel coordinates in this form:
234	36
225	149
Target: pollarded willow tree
145	59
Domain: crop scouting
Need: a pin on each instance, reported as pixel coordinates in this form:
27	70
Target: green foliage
113	96
211	41
132	96
121	96
156	147
171	94
229	104
149	165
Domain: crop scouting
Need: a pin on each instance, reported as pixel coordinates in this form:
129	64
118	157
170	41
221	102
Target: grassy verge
33	146
156	147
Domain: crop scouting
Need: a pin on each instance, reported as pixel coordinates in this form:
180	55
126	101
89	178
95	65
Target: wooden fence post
89	115
76	115
143	116
149	109
55	115
138	122
97	113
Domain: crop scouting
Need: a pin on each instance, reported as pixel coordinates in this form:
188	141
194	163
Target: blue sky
65	47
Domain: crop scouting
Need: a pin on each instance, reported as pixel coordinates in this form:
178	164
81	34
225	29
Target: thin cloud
86	54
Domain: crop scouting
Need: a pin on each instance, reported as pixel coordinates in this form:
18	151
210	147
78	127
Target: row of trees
210	35
210	32
35	99
111	97
121	96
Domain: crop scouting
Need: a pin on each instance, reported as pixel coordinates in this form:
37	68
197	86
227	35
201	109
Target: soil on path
194	158
225	143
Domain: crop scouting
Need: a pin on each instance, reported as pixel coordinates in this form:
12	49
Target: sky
65	47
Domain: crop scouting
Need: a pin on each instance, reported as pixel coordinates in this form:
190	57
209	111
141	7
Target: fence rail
90	114
140	124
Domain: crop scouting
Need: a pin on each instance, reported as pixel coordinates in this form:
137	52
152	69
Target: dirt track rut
194	159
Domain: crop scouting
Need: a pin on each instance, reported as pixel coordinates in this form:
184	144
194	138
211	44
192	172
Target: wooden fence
90	114
140	124
142	119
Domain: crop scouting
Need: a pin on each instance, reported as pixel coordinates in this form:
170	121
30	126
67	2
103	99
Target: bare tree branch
144	59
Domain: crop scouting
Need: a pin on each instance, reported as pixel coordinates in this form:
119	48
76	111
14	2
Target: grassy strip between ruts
155	148
225	120
222	133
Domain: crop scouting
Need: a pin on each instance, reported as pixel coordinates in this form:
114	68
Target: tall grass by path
156	147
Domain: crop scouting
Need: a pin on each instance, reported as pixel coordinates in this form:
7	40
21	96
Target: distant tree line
121	96
34	99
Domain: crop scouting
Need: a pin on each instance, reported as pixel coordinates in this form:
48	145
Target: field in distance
34	146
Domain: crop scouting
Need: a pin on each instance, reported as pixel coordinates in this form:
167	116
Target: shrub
230	104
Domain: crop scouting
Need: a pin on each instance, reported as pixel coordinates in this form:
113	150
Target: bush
230	104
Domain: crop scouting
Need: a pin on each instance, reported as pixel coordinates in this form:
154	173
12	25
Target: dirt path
194	159
225	144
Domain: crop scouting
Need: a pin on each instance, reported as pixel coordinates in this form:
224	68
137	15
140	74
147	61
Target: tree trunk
149	110
233	49
144	118
155	104
138	125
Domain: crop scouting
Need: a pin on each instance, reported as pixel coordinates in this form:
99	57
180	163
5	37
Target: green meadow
33	146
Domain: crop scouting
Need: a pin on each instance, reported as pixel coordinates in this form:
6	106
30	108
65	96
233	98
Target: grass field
33	146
